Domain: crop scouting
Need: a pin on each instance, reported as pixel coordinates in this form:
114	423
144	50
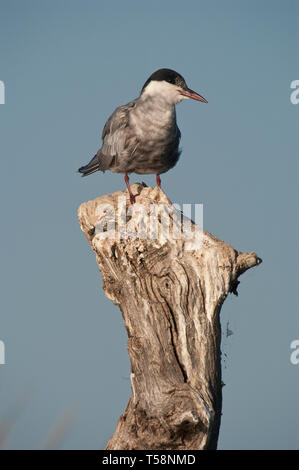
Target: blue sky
66	66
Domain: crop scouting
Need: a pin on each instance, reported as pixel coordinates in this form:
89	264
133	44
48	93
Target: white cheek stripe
169	92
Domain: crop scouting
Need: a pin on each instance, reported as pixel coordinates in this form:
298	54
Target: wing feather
114	139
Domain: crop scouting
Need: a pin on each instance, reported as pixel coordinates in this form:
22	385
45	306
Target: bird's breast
152	122
151	145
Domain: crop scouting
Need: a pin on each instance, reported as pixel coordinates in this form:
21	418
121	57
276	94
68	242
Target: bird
142	136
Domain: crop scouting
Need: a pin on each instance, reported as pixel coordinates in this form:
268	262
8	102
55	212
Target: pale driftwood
170	298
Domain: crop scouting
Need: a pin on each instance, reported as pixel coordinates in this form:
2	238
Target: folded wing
114	139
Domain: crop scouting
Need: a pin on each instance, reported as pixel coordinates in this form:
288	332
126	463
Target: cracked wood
170	299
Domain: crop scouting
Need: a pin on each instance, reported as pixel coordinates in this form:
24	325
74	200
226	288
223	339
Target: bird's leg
158	180
132	197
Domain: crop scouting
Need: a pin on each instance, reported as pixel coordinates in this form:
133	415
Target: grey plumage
142	136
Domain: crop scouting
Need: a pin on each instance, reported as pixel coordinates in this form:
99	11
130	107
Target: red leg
158	180
132	197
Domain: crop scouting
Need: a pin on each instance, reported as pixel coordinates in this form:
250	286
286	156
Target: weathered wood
170	298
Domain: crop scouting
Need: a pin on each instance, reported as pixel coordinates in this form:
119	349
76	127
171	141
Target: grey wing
113	141
114	137
114	133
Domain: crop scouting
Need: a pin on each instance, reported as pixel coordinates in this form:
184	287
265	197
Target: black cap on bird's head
174	85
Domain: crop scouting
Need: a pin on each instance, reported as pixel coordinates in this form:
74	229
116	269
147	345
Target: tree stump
170	298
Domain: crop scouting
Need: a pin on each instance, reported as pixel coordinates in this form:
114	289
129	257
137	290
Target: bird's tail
99	162
91	167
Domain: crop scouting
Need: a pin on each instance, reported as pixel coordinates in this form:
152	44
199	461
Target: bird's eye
170	80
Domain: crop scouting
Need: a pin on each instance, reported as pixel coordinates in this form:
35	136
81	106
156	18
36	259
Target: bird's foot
133	198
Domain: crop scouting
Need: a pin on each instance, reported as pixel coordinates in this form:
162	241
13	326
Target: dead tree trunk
170	295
